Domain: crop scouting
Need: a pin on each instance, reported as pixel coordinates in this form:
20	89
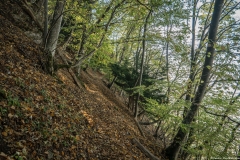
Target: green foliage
13	101
159	110
169	28
126	76
102	58
3	111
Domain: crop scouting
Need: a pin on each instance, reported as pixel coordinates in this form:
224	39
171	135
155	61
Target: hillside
45	117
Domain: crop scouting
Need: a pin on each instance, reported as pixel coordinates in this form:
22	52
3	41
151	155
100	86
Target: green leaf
208	67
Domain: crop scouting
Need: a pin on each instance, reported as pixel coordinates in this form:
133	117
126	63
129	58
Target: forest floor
50	117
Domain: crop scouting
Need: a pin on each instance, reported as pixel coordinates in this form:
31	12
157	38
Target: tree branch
144	150
220	115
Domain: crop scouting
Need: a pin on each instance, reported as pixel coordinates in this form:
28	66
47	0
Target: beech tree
189	100
45	31
142	62
52	37
172	151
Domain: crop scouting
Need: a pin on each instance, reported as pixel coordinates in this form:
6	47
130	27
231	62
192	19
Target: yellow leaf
4	134
73	147
10	115
13	107
77	137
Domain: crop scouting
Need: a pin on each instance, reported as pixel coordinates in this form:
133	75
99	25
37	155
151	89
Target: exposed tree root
70	70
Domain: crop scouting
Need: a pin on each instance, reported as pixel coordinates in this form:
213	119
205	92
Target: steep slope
45	117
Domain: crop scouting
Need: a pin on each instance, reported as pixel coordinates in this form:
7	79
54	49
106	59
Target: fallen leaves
3	156
88	117
48	119
77	137
5	134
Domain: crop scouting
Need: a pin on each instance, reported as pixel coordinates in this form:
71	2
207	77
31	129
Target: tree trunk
138	51
66	42
157	129
45	30
90	53
142	62
232	138
131	101
111	84
193	61
169	29
191	89
52	38
173	150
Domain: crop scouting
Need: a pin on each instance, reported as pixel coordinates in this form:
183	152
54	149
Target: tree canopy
177	59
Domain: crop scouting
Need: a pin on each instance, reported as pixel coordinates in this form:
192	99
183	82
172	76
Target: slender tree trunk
191	79
138	51
191	89
122	53
52	38
193	63
232	138
89	54
194	55
66	42
169	29
172	151
157	129
81	49
142	62
111	84
45	30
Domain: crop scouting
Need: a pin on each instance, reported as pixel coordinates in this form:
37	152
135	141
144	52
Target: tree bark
169	29
45	30
123	50
66	42
193	62
52	38
172	151
87	55
142	62
191	89
111	84
139	128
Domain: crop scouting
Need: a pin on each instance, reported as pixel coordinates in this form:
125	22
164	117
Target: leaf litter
44	117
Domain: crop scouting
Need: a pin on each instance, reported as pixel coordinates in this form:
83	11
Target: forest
174	62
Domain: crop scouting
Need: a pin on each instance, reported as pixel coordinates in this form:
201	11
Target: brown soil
45	117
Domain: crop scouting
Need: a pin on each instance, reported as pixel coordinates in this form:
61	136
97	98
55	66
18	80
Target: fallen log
144	150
